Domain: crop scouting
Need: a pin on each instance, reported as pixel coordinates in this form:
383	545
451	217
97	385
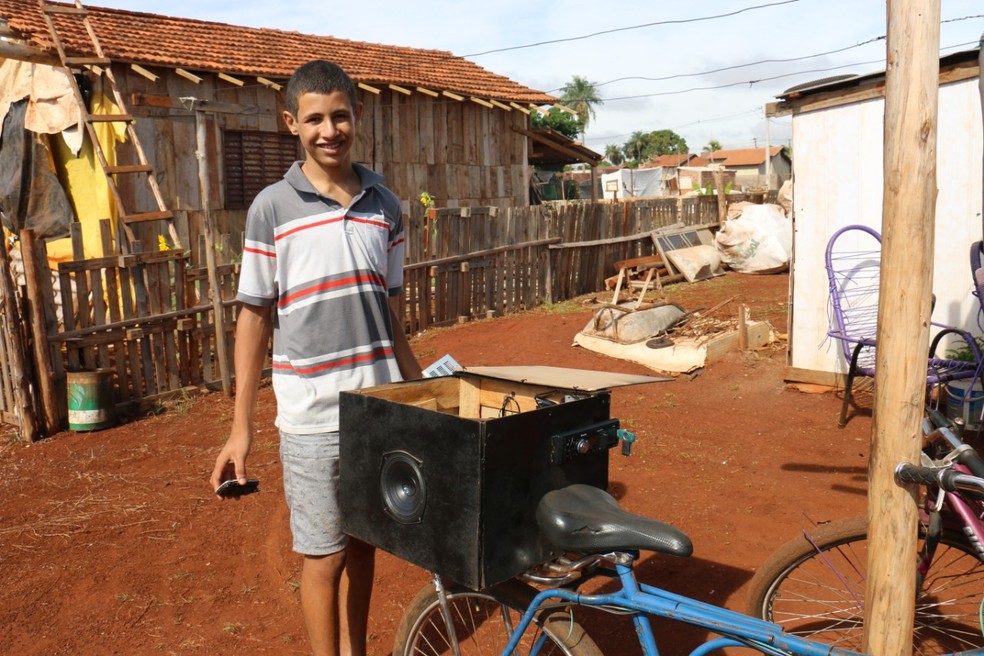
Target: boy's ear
291	122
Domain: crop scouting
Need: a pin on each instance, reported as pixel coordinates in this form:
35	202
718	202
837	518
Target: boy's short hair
318	76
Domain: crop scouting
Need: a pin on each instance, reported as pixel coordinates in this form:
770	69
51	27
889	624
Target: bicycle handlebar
946	478
964	453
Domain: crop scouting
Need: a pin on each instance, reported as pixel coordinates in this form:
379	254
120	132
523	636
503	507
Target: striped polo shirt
330	270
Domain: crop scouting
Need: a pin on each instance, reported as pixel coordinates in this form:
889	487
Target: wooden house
433	122
838	137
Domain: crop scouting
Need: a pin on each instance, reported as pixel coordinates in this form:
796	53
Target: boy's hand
231	461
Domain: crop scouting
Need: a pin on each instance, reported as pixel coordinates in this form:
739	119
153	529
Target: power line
767	61
764	79
737	66
631	27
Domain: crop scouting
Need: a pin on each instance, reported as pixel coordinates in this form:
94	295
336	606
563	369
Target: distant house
676	160
636	183
657	177
432	122
675	181
751	166
694	178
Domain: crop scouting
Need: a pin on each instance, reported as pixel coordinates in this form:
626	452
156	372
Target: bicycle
813	586
580	519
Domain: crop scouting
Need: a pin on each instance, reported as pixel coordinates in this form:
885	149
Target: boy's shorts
310	465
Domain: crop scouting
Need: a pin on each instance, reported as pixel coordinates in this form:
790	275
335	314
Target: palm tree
636	145
712	146
613	154
581	95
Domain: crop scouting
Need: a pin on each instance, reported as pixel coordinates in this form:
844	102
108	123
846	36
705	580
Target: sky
703	70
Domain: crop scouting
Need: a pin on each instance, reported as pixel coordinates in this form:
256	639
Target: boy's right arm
253	327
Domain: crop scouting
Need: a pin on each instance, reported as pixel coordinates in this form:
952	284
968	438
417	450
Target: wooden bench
631	270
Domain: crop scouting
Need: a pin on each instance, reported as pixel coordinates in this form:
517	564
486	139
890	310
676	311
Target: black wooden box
446	472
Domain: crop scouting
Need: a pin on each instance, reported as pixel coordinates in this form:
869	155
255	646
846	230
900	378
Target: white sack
760	240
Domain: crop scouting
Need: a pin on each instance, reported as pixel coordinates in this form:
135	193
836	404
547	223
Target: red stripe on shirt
331	284
373	355
317	224
259	251
372	222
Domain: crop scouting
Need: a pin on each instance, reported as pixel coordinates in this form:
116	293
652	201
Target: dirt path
111	542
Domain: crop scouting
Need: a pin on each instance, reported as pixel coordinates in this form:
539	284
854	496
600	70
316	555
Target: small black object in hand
234	488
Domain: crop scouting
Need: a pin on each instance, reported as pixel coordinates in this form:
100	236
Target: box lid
561	377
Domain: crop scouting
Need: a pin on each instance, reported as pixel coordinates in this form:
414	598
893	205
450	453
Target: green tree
614	154
581	95
558	121
642	146
665	142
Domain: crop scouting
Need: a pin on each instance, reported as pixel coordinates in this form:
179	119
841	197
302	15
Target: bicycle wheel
818	591
483	623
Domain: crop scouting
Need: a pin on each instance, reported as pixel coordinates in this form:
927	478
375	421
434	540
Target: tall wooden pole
908	218
16	352
221	342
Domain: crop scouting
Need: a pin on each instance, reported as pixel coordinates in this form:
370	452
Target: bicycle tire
818	591
483	624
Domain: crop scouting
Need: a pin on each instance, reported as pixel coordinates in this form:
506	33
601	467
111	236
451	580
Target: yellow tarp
86	184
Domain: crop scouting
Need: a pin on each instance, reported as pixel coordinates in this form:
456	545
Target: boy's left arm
409	367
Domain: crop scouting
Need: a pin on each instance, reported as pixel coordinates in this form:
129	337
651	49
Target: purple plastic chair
853	260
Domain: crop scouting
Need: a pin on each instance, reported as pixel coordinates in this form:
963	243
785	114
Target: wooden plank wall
462	153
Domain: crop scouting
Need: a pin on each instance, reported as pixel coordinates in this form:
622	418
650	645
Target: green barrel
90	400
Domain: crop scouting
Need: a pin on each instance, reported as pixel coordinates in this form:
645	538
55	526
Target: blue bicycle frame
737	630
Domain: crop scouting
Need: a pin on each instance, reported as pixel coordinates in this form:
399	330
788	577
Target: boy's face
325	124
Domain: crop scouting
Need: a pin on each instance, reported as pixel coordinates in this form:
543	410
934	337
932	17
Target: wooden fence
150	317
478	262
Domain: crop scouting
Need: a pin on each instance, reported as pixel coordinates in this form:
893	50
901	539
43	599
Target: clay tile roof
672	161
743	156
154	40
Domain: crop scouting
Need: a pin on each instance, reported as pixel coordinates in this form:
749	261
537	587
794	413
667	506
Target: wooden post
42	324
722	198
221	344
16	352
908	217
742	327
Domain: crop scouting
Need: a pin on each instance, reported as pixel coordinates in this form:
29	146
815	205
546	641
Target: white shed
837	138
636	183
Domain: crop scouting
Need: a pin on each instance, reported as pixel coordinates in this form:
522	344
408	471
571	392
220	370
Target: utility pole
904	309
768	154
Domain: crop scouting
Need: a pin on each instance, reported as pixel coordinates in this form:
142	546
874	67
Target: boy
325	245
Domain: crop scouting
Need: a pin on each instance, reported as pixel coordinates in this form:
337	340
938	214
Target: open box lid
561	377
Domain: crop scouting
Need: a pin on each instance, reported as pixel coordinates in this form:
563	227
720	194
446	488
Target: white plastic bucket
965	401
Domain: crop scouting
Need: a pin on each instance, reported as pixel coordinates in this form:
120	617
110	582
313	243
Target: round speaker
401	484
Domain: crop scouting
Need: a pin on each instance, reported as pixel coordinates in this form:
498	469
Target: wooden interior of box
470	397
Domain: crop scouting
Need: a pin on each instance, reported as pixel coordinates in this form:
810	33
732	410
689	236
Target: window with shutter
254	160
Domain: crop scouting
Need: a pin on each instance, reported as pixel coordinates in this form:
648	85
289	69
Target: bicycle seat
589	520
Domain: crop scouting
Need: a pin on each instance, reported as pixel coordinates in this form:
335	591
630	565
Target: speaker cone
402	486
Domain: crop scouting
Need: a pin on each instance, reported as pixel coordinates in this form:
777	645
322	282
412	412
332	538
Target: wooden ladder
141	167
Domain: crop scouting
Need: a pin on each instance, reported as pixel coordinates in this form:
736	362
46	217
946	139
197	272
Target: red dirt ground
112	543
